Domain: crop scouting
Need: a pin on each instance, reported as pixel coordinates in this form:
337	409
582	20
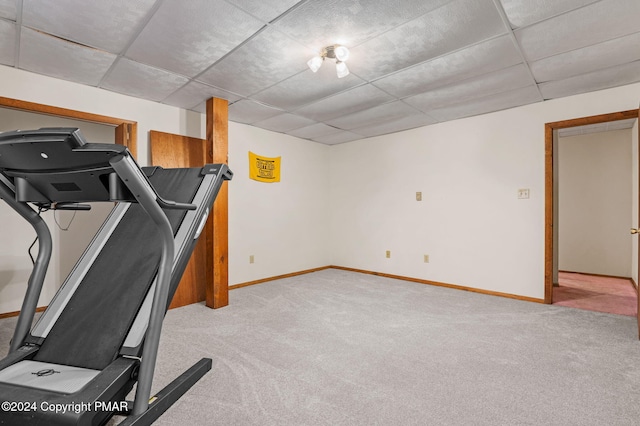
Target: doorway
596	279
71	232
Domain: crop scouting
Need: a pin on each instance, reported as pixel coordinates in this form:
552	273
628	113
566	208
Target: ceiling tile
458	24
265	60
8	9
591	58
336	138
373	116
526	12
505	100
604	20
621	124
7	42
265	10
479	59
499	81
55	57
195	93
201	108
396	125
284	122
347	102
248	112
596	128
317	24
197	33
307	87
597	80
135	79
314	131
107	25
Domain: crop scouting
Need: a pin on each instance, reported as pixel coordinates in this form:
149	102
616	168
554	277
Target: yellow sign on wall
264	169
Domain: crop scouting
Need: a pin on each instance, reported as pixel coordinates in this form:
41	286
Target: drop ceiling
413	62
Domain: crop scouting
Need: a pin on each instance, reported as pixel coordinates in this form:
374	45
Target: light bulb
341	69
315	63
342	53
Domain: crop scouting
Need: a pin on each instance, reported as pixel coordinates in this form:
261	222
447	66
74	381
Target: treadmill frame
128	180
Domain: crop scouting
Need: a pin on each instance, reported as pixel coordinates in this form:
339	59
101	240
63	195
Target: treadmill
99	335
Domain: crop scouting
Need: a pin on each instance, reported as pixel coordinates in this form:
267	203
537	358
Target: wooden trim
548	213
126	135
218	142
548	183
397	277
594	119
278	277
439	284
597	275
16	313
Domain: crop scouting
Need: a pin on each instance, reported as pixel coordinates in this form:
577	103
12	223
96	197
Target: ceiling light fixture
337	52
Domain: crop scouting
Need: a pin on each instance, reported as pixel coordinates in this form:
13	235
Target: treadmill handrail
39	271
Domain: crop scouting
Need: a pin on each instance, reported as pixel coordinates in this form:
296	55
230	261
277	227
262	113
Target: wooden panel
169	151
217	264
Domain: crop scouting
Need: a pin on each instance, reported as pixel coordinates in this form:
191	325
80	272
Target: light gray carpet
342	348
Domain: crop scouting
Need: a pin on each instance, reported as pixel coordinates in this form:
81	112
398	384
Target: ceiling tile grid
249	112
338	138
491	55
46	54
107	25
413	62
7	46
347	102
263	61
194	93
135	79
196	32
372	116
526	12
475	88
396	125
453	26
592	24
265	10
603	79
318	23
497	102
587	59
314	131
8	9
284	122
306	87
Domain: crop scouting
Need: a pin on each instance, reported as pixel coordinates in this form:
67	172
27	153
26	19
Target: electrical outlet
388	254
523	193
418	196
251	259
426	258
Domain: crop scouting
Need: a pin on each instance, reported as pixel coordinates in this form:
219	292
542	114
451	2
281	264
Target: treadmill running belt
92	328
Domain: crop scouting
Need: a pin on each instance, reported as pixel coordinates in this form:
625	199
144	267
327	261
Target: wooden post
218	262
